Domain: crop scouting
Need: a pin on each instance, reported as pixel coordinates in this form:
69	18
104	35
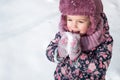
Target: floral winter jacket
90	65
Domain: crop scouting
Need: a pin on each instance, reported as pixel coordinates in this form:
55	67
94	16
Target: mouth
75	31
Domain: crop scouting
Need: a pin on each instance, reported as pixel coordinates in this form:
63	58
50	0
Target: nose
74	24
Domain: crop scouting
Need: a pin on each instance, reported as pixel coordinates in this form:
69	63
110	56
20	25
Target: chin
83	34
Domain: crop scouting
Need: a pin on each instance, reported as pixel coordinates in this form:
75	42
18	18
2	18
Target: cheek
69	24
69	27
83	28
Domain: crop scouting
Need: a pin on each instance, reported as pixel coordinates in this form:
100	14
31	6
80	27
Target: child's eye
81	22
69	19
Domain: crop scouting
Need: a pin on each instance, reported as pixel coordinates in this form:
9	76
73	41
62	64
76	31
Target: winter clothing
90	65
91	8
81	7
96	45
69	45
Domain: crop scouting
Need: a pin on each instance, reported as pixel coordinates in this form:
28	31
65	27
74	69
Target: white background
26	28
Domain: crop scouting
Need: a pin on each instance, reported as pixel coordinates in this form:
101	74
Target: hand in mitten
69	45
62	45
73	45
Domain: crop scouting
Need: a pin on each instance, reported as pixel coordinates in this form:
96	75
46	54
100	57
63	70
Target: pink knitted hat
91	8
81	7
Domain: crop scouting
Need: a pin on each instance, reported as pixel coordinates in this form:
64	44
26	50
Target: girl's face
78	23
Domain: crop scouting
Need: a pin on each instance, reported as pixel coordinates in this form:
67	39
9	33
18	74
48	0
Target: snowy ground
26	28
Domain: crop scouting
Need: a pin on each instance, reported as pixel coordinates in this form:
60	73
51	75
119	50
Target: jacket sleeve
52	49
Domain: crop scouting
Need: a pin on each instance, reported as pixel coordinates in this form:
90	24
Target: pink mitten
69	45
62	46
73	47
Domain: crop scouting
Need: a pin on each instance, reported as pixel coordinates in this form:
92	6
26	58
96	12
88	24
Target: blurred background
26	28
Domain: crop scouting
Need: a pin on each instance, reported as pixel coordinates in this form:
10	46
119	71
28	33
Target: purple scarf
92	41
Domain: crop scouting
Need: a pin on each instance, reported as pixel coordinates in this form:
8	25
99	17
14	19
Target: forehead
77	17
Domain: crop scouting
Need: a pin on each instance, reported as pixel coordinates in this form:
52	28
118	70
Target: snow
26	28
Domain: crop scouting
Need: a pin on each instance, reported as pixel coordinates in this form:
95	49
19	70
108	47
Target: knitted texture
69	45
91	8
81	7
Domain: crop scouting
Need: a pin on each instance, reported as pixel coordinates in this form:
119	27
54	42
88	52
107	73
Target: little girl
82	48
